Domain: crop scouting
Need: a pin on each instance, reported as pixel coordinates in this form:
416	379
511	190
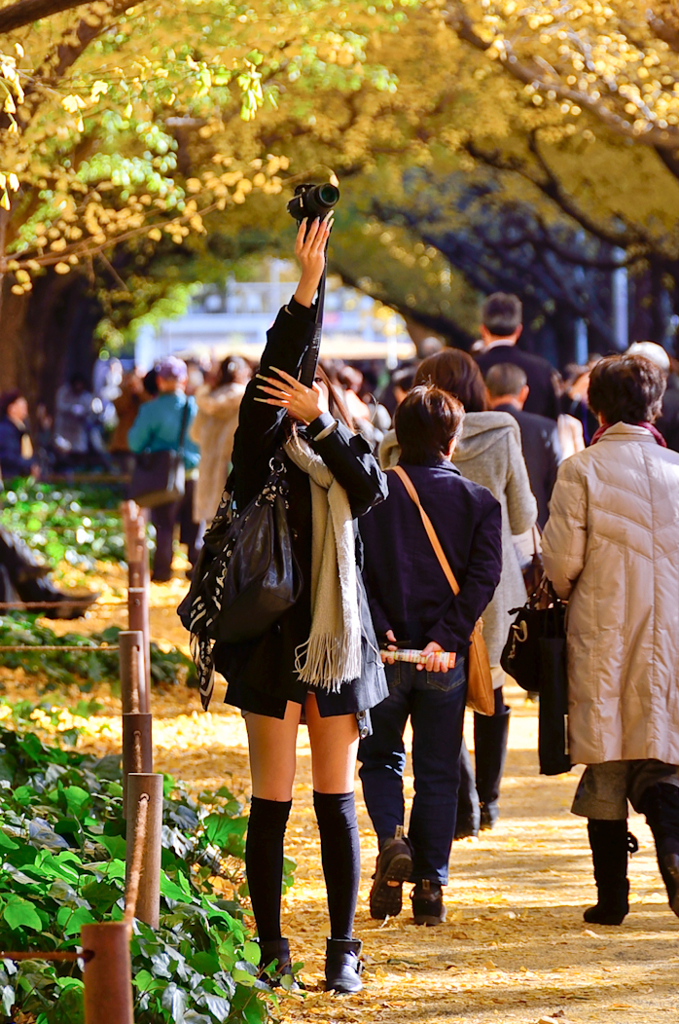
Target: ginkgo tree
123	121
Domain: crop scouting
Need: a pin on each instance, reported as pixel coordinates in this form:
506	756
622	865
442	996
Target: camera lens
328	195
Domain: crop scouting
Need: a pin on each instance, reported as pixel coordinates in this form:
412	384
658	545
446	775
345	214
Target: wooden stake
138	616
132	671
149	789
108	973
137	748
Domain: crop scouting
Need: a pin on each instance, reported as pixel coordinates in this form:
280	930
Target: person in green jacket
157	428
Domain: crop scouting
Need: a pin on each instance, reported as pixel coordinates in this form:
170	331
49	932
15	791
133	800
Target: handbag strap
429	527
182	432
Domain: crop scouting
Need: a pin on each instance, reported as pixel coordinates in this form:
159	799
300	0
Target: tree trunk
41	330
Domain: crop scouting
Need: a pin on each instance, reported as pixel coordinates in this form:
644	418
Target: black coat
542	398
406	585
261	674
12	462
542	452
668	421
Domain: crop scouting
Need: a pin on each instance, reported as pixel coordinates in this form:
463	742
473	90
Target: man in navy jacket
413	605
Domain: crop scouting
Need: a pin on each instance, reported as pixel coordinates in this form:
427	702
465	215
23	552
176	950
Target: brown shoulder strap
429	527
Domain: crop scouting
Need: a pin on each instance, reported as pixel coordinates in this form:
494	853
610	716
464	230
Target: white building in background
236	319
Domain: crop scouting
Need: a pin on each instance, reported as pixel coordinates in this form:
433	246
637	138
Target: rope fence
54	956
8	605
55	647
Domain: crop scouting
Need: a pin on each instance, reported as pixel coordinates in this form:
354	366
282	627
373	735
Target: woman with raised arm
320	663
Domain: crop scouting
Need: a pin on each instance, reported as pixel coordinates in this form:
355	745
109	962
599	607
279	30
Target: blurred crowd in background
96	424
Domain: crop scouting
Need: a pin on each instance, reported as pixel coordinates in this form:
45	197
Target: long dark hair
455	371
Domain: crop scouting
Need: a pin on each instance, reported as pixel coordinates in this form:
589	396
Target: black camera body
313	201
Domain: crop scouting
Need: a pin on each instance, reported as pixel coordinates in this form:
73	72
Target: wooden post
132	671
138	577
146	787
108	973
137	749
138	616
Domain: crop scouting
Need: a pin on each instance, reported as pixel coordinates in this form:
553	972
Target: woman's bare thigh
272	743
334	745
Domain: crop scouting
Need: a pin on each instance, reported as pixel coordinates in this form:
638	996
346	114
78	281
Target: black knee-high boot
264	864
660	804
341	858
610	843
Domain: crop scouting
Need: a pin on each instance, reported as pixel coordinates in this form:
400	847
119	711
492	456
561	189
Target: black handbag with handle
535	656
246	576
543	617
159	478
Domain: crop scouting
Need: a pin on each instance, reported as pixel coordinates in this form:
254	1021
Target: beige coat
611	546
490	454
213	430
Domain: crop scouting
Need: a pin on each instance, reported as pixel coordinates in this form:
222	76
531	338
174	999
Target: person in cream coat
611	547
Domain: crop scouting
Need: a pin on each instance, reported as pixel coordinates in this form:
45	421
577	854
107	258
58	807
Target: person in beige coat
213	430
489	454
611	547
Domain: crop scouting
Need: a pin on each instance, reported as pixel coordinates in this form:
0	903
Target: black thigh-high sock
341	857
264	863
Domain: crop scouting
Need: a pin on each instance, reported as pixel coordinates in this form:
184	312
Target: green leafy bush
63	865
92	665
77	525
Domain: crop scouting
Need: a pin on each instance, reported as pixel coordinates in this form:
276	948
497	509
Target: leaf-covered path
514	946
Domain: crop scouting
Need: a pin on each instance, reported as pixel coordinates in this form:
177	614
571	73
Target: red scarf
659	439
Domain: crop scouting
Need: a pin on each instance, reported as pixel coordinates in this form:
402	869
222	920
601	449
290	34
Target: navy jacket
407	589
542	398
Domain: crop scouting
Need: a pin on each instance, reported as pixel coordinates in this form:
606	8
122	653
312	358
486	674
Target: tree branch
25	12
540	78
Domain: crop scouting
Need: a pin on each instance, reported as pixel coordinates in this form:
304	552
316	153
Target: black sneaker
393	868
428	905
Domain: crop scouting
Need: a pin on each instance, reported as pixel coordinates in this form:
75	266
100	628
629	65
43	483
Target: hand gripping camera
313	201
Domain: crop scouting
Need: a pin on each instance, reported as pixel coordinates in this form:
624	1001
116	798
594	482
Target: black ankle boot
491	734
610	843
343	968
276	963
393	868
660	804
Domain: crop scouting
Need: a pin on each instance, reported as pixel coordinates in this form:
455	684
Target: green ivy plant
79	526
62	847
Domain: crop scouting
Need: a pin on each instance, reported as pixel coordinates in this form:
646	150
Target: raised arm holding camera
319	662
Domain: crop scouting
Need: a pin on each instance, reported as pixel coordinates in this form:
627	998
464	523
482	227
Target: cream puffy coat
213	430
611	546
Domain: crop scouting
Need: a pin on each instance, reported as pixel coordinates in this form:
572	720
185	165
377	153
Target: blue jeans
435	702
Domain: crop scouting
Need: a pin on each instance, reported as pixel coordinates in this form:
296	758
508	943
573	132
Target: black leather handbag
159	478
246	577
535	655
542	618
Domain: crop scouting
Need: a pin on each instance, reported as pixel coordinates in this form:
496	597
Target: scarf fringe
326	661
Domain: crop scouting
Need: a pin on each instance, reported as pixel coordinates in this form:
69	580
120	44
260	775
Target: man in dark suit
501	327
508	392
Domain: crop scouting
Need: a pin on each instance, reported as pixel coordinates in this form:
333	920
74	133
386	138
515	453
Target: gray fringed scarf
332	654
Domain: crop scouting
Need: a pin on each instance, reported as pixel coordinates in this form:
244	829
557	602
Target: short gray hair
505	379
